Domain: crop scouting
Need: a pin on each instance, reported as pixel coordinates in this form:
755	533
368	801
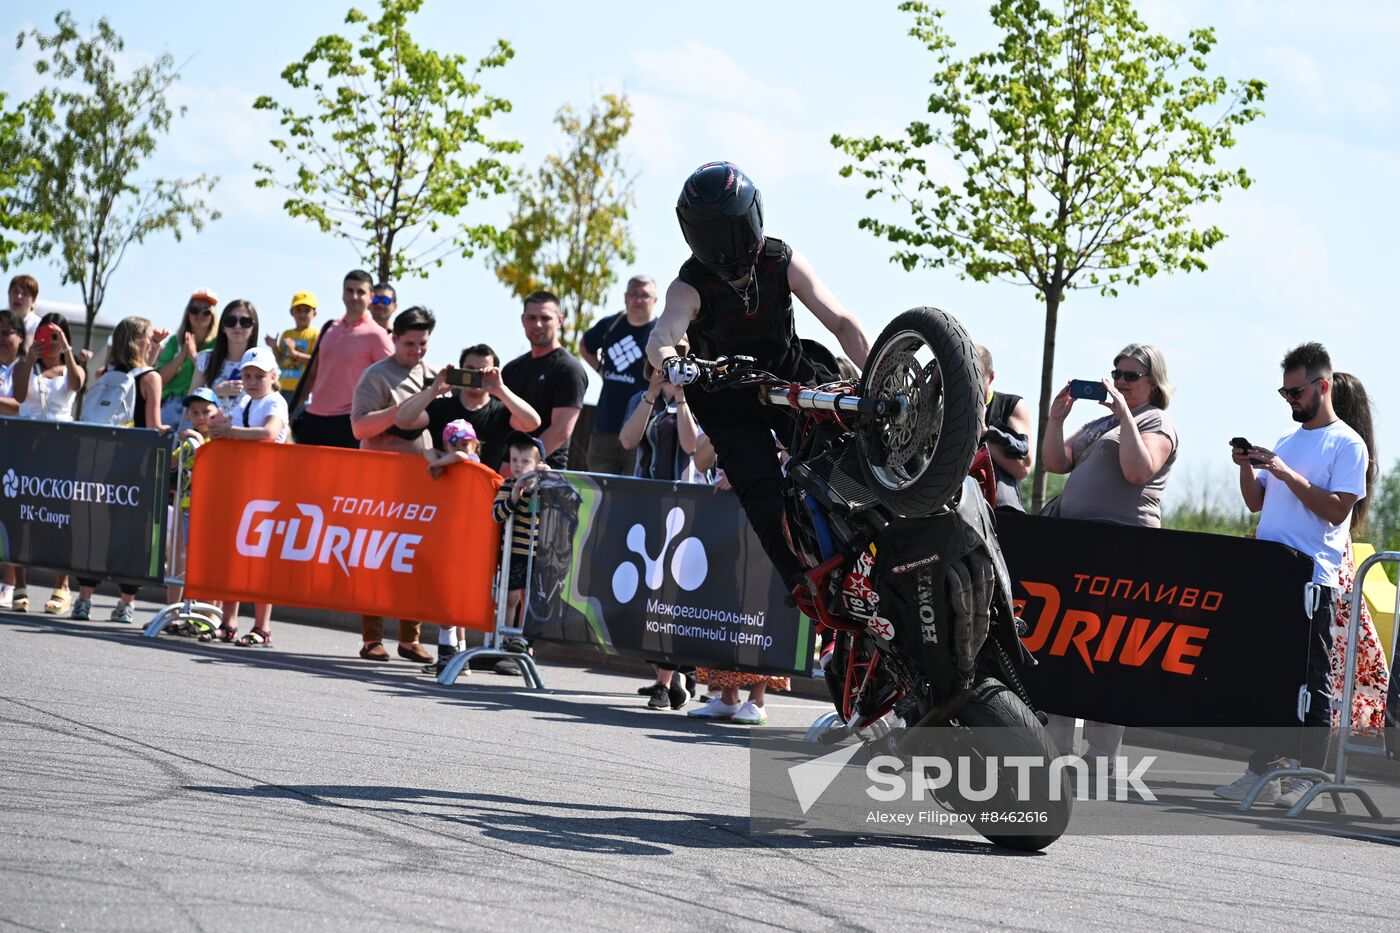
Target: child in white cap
259	415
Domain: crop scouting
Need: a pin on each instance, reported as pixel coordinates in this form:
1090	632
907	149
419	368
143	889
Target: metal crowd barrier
205	617
1335	785
494	646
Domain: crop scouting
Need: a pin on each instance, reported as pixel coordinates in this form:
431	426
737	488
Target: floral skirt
1372	674
721	680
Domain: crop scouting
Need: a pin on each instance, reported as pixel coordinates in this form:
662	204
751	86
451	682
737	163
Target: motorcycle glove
680	370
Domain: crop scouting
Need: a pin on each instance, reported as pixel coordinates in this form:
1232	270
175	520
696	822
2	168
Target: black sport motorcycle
903	570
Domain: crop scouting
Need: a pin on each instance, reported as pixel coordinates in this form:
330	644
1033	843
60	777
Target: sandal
176	628
59	602
223	633
257	638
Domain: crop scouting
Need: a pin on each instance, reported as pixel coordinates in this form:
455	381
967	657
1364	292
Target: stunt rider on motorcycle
734	298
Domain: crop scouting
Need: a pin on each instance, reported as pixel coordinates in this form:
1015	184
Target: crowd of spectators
363	380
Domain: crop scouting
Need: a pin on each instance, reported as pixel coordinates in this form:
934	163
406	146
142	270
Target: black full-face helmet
721	215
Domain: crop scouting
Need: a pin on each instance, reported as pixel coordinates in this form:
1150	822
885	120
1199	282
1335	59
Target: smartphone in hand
1243	446
464	378
44	338
1090	389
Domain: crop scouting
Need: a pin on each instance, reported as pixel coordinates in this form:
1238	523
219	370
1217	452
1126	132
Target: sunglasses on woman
1126	375
244	322
202	312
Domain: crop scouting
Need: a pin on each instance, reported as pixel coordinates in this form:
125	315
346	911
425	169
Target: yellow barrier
1379	593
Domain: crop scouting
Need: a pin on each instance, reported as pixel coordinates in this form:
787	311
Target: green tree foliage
568	232
17	171
90	134
1383	522
378	157
1081	145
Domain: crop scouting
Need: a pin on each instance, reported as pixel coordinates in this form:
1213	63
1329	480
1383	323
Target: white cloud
704	73
1369	98
1296	69
219	125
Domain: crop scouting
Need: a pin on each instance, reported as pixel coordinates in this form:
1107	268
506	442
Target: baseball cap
304	298
202	394
459	430
259	358
206	294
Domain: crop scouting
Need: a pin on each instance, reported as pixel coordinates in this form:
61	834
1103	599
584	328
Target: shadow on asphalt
580	827
481	690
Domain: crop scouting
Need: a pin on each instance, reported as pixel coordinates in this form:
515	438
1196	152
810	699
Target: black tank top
999	416
757	321
140	414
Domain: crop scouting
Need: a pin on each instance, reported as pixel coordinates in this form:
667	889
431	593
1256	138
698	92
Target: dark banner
1146	627
665	571
84	498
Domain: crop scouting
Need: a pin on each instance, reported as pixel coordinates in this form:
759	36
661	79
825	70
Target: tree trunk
1047	387
386	259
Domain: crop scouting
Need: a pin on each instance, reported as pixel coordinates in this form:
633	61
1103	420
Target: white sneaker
715	709
7	595
751	715
1293	790
1241	786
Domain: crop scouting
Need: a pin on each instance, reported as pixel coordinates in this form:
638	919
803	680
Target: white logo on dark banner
689	565
70	490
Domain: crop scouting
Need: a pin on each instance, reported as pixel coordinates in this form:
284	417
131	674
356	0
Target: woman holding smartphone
47	380
1118	467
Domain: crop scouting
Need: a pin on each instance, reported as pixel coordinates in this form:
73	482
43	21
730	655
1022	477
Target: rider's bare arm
681	305
823	304
1020	422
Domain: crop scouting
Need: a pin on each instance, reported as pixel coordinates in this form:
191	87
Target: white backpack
112	399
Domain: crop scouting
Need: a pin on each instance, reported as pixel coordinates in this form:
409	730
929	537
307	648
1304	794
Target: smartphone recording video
464	378
1090	389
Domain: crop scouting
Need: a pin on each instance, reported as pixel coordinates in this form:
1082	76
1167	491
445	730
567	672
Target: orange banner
358	531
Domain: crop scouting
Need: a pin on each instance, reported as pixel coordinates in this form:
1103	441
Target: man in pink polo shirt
348	346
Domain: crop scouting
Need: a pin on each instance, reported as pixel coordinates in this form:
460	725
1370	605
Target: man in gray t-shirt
378	394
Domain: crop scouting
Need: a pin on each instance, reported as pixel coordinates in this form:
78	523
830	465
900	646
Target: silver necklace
744	292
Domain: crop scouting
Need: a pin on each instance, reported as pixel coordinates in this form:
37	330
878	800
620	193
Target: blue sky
1308	249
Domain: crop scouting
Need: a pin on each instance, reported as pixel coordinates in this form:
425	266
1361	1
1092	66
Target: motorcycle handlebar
733	371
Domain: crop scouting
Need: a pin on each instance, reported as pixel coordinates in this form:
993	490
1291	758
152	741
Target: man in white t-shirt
1305	488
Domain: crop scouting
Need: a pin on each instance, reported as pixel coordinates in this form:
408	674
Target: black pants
1317	721
126	588
324	430
742	429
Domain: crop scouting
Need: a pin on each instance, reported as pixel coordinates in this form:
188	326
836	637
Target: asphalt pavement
168	785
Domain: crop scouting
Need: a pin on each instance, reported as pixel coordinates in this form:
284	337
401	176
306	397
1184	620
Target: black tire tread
993	704
962	387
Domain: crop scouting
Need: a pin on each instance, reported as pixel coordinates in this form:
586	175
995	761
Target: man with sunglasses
1304	489
384	305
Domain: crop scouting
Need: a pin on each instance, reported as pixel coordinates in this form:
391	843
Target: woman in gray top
1117	465
1117	468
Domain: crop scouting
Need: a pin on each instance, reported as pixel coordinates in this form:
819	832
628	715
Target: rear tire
916	463
994	706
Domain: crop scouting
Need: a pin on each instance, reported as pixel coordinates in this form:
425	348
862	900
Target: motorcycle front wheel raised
915	461
996	724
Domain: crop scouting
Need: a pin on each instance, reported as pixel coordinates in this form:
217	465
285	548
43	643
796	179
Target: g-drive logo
259	534
689	565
